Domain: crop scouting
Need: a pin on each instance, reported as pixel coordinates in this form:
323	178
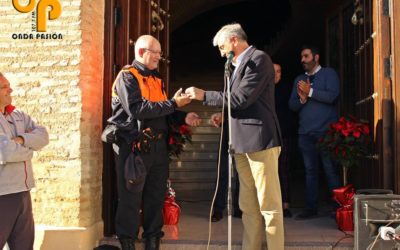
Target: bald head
3	80
148	51
5	92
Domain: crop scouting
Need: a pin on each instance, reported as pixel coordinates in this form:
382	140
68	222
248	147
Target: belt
152	134
148	135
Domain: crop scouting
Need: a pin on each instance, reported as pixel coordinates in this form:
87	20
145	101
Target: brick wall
59	83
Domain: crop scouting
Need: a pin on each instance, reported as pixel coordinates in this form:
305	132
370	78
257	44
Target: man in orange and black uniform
138	94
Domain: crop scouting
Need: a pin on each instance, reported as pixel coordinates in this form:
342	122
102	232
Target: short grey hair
229	31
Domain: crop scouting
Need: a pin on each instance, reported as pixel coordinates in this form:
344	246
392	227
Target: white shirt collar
315	71
240	57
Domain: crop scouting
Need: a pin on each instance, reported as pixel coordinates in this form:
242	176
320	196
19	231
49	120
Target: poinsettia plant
346	140
179	135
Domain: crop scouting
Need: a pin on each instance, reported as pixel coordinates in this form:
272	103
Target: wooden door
350	50
125	21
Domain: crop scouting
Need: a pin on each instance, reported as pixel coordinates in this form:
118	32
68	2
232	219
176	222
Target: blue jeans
311	156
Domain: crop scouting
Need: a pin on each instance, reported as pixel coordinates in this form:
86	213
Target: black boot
127	244
152	243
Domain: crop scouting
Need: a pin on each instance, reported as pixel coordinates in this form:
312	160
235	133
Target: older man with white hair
138	94
257	139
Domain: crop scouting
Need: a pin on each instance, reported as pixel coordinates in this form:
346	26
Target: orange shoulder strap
150	86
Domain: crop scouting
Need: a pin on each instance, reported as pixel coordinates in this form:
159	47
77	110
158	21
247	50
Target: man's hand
19	140
302	95
195	93
192	119
304	86
181	99
216	119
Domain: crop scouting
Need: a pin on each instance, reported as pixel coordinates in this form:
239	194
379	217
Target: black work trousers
150	199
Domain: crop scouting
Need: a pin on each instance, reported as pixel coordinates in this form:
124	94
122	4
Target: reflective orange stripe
150	86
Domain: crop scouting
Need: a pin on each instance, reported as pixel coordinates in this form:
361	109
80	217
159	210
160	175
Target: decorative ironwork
358	15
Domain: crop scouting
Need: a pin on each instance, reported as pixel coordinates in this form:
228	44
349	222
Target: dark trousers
16	221
151	199
311	157
222	191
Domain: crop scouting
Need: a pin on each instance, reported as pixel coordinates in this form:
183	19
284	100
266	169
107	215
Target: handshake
190	94
183	98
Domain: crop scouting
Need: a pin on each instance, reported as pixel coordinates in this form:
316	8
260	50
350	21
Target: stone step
193	184
212	167
198	155
193	174
207	129
205	138
195	164
202	146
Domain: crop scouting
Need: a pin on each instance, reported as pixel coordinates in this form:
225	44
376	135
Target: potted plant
346	141
179	135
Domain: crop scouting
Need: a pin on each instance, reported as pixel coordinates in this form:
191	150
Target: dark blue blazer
255	125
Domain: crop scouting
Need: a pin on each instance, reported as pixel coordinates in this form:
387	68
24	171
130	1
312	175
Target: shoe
237	214
127	244
287	213
217	216
106	247
307	214
152	243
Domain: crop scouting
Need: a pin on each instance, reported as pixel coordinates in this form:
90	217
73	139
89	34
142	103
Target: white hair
228	31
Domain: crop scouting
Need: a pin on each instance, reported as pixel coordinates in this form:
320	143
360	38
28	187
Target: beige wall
59	83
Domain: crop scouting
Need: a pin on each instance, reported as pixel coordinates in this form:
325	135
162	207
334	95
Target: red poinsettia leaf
356	133
365	129
345	132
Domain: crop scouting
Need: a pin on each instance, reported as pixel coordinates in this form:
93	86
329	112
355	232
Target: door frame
395	42
383	105
108	160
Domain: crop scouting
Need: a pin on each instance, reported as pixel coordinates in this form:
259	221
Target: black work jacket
128	105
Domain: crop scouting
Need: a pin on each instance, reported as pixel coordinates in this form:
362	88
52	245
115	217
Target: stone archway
182	11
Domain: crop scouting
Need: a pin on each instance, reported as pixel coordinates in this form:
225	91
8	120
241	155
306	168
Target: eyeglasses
153	51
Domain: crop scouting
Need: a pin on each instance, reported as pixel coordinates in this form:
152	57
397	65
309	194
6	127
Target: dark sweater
320	109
